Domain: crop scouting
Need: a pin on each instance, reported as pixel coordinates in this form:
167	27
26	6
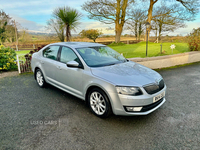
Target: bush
194	40
92	34
7	58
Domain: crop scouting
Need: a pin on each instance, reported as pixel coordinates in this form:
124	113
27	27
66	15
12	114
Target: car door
48	63
69	78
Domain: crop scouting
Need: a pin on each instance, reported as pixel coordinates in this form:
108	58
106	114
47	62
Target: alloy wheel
97	103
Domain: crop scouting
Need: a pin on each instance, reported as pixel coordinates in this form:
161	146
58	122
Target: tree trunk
150	10
68	33
156	33
140	30
160	30
118	32
136	32
120	19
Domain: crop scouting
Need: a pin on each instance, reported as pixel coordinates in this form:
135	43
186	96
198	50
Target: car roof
78	44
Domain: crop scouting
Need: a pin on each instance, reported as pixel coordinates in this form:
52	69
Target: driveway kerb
169	60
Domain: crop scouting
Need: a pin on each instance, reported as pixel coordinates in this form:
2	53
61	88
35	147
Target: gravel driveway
35	118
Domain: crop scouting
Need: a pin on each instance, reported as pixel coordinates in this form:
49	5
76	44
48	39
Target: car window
100	56
51	52
67	55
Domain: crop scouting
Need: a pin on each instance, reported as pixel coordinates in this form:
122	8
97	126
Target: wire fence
24	64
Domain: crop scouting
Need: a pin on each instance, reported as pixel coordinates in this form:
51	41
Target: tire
99	103
40	78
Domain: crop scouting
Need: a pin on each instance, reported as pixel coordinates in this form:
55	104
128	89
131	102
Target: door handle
59	67
41	62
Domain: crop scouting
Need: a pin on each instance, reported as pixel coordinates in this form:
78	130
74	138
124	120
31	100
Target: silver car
101	77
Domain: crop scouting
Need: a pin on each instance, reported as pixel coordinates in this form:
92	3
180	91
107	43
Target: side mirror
73	64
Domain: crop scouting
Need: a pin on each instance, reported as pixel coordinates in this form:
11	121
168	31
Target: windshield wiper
111	64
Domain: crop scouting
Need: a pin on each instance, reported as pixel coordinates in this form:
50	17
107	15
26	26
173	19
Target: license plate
158	97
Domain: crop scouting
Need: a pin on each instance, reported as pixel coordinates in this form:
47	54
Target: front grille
152	89
147	107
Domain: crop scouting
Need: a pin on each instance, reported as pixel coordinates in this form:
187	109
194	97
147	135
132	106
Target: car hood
127	74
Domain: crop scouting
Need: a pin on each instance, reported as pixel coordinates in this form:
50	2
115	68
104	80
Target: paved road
35	118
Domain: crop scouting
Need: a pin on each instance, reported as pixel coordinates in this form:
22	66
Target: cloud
27	24
33	26
16	4
33	15
36	7
96	25
187	30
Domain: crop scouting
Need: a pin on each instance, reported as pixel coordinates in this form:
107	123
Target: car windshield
100	56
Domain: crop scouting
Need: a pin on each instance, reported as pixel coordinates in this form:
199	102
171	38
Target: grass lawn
22	53
139	50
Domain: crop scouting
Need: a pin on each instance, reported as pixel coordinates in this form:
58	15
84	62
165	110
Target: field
22	53
139	50
103	39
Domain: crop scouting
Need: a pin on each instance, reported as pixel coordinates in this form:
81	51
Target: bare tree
24	36
109	12
191	6
135	24
56	25
169	18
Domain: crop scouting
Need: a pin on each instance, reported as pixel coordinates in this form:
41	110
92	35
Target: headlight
134	91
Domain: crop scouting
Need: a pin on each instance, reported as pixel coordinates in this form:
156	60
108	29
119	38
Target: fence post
33	46
16	47
18	64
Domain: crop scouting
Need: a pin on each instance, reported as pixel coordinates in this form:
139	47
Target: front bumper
120	102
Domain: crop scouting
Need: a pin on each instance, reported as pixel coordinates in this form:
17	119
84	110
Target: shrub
7	58
194	40
92	34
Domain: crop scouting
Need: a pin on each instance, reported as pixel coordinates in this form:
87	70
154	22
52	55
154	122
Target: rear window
51	52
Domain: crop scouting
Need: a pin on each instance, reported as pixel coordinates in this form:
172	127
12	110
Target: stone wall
169	60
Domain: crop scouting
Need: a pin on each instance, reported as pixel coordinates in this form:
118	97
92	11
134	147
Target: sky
34	14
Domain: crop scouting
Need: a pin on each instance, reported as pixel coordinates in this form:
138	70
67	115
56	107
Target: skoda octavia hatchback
103	78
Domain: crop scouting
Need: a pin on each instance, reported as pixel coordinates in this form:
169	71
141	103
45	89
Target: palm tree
70	18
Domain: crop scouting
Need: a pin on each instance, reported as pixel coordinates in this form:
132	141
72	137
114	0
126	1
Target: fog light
133	108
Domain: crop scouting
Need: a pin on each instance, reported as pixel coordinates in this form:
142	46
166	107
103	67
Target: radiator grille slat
152	89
